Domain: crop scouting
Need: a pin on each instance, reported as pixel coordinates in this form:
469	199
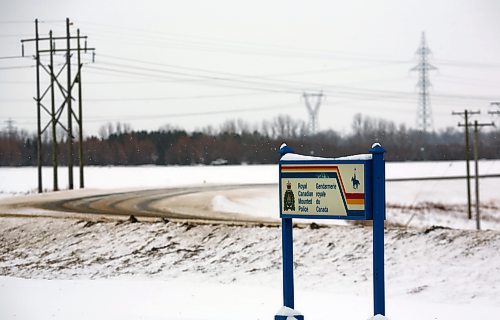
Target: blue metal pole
287	245
378	228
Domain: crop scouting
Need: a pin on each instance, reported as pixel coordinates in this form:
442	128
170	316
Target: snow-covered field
22	180
81	269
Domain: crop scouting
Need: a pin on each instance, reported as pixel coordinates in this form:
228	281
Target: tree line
237	142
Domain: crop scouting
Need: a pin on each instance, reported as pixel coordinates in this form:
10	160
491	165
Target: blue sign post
351	188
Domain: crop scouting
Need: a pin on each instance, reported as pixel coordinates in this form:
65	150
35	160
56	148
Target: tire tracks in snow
139	203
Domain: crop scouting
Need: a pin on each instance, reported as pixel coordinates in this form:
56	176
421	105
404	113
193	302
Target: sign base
287	313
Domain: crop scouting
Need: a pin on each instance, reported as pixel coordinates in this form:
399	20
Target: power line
467	81
217	45
15	21
238	77
219	84
468	64
266	82
268	88
212	75
196	97
12	57
17	67
30	21
255	83
13	35
152	35
190	114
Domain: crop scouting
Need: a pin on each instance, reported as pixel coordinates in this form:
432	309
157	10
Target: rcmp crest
289	199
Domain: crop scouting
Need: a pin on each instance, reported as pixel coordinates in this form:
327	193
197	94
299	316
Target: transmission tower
424	112
313	111
10	127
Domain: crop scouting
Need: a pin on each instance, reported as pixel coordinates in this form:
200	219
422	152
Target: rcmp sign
331	189
351	187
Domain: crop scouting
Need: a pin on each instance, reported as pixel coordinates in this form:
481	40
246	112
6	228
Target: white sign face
322	189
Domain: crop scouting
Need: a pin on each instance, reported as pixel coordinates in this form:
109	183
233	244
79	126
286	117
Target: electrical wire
153	38
343	90
17	67
14	35
15	21
171	73
178	80
12	57
195	97
467	64
188	114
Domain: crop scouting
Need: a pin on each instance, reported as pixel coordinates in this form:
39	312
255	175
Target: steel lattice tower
424	112
313	110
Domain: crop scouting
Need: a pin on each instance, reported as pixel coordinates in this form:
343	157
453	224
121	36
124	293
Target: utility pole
313	111
80	111
69	107
466	114
476	157
66	98
53	116
424	113
38	110
497	112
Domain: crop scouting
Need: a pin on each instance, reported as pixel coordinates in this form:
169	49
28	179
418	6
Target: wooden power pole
66	98
466	115
476	161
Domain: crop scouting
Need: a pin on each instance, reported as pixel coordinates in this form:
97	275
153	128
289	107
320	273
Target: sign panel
351	187
325	189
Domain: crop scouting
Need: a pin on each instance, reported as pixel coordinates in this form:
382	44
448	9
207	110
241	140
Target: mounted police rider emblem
355	182
289	199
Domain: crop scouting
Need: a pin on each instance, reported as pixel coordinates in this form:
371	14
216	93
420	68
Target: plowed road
187	203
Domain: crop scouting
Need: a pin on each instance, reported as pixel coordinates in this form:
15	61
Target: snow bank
286	313
255	202
335	258
161	270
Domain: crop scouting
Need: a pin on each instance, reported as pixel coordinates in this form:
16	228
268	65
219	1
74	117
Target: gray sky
191	64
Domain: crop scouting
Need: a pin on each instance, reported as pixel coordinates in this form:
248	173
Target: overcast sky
190	64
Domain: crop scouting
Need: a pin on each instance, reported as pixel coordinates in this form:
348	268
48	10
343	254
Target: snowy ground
107	269
158	270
